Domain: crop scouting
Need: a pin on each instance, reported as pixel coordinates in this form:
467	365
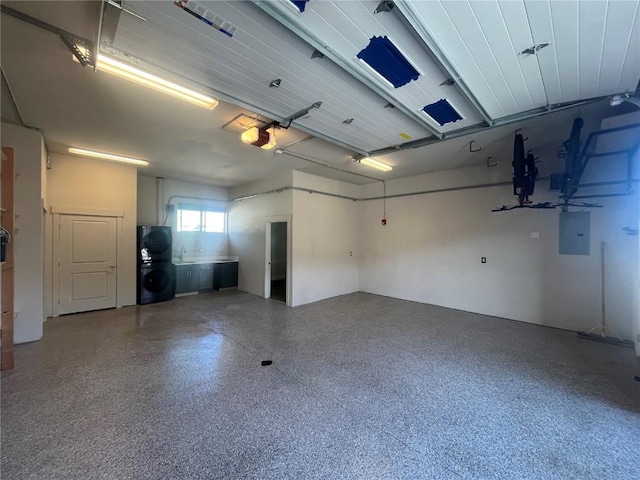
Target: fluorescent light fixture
272	139
129	72
370	162
108	156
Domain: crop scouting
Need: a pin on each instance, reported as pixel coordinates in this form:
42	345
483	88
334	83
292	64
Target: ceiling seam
604	32
428	78
408	91
465	99
544	86
195	63
604	36
391	93
322	164
578	45
513	48
555	49
12	96
340	61
312	12
20	117
493	55
626	50
486	81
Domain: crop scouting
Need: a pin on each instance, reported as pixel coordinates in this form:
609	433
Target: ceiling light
108	156
370	162
251	135
128	72
272	139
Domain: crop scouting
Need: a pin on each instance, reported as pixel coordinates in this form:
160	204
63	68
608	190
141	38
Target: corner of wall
29	281
274	182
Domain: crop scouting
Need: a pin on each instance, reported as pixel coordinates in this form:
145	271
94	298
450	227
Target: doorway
279	261
87	259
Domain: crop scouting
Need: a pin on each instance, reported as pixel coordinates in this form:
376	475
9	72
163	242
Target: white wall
154	194
324	229
431	249
631	287
325	240
29	152
147	201
80	182
247	221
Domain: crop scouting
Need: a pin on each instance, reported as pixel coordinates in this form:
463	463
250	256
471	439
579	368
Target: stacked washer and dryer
155	270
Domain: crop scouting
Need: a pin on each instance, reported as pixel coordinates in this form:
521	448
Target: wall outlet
535	234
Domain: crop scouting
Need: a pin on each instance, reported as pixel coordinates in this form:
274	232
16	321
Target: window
201	218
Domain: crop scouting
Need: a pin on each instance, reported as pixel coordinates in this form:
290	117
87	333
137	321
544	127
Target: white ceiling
262	50
594	48
76	106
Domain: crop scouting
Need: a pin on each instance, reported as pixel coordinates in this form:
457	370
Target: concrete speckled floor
361	387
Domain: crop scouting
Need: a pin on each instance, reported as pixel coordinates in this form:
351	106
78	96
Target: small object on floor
266	362
637	378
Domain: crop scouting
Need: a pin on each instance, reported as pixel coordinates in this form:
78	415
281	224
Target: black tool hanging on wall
525	171
571	165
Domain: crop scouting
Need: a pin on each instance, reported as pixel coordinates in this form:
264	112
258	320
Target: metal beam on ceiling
342	62
518	117
407	14
85	56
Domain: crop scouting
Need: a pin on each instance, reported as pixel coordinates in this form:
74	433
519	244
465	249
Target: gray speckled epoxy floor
361	386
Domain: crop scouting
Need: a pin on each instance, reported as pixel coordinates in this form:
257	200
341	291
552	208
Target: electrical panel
575	238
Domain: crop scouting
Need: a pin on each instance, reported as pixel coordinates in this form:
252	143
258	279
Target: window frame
202	209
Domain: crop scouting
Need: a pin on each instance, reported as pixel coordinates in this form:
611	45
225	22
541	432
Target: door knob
112	266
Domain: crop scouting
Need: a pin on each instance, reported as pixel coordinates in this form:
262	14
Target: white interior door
87	256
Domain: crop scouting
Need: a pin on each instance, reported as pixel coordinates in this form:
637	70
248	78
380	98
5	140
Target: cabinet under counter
191	278
225	275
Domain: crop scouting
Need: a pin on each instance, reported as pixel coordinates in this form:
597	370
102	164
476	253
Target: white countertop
204	260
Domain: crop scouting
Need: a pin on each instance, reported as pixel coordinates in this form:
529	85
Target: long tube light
108	156
128	72
370	162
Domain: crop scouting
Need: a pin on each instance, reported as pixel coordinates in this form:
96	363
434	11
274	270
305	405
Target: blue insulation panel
383	56
442	112
300	4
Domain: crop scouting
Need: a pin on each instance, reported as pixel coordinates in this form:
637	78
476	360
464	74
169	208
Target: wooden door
87	263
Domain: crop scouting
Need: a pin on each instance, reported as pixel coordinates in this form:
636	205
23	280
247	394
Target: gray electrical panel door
575	230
